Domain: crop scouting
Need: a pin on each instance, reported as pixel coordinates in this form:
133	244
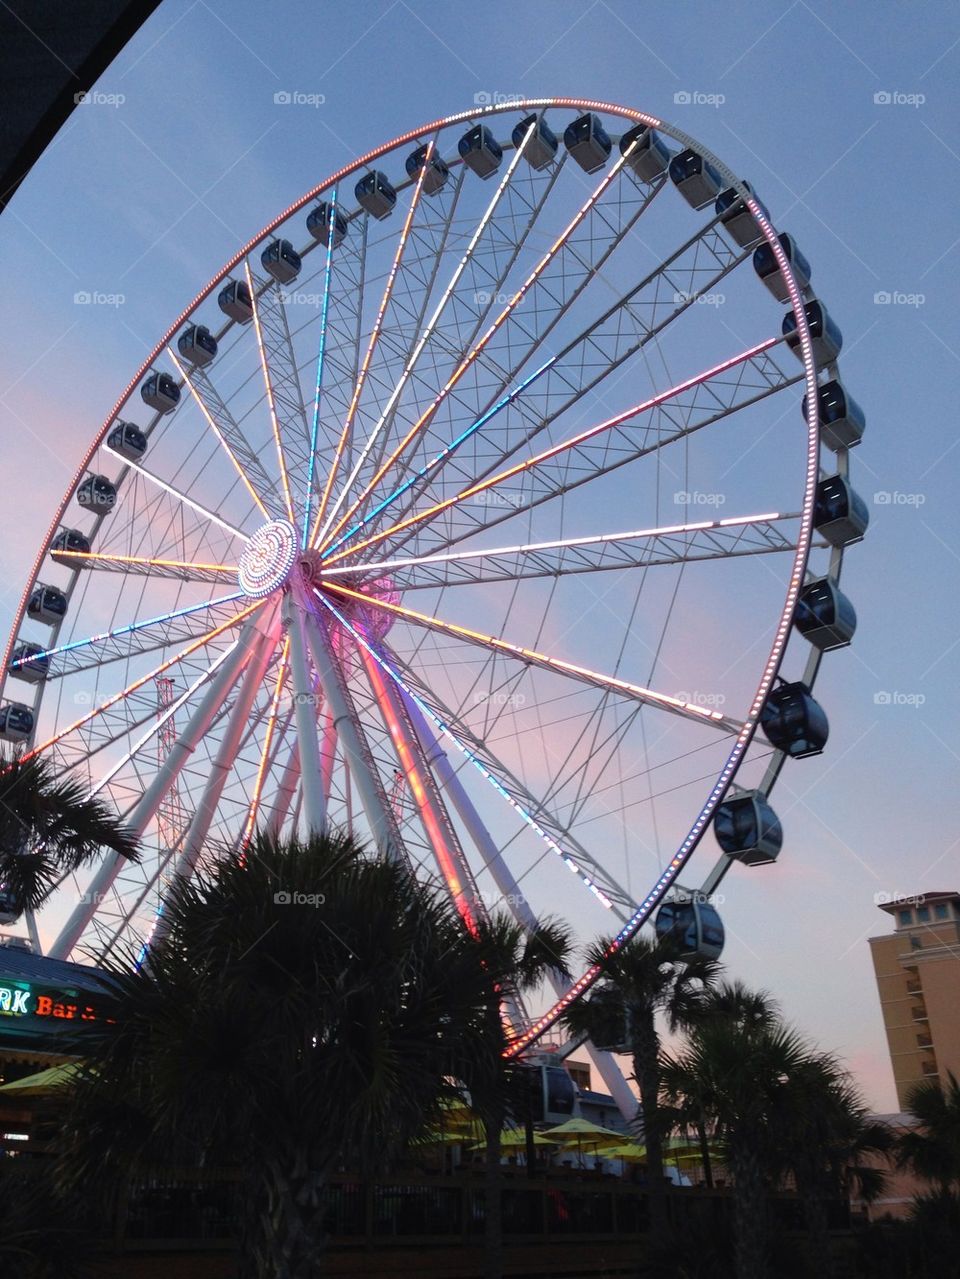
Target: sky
218	115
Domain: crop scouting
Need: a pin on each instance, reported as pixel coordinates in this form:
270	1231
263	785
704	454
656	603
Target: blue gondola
435	178
376	195
736	219
588	142
766	267
281	260
842	420
840	514
318	224
480	151
29	662
234	300
748	829
694	925
825	337
649	154
793	722
96	493
16	722
197	344
541	146
69	539
160	392
128	440
47	604
824	615
695	178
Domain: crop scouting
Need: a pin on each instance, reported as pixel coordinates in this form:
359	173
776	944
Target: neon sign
22	1001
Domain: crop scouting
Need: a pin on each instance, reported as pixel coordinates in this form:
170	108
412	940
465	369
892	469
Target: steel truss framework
497	388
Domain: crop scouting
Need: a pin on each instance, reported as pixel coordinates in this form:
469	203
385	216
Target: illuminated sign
23	1001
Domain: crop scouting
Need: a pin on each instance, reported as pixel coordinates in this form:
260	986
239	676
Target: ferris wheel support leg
372	795
435	820
152	798
507	885
305	709
237	722
285	792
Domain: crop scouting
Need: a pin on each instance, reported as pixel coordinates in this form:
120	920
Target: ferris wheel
472	504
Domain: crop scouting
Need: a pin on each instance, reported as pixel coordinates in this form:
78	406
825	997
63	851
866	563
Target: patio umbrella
43	1084
627	1152
583	1133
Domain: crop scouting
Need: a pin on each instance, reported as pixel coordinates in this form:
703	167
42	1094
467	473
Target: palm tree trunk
646	1069
285	1239
818	1231
494	1120
750	1214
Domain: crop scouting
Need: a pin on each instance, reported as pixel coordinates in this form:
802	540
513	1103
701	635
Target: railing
204	1210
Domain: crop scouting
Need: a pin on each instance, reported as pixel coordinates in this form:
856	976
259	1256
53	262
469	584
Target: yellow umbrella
44	1083
628	1151
584	1133
517	1137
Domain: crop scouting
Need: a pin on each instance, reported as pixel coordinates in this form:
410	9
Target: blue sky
840	116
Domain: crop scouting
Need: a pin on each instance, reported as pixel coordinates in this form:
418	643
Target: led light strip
321	354
168	488
268	383
564	446
474	353
498	786
83	556
316	534
125	630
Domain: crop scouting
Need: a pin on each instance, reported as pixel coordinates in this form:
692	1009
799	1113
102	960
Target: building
918	978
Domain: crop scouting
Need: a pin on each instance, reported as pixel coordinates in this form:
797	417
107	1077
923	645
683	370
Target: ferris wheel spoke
552	833
530	657
642	548
143	566
176	493
236	724
112	638
321	358
227	431
284	400
617	446
219	680
116	698
483	280
584	363
602	245
323	518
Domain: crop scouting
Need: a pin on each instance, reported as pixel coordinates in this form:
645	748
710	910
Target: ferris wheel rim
772	666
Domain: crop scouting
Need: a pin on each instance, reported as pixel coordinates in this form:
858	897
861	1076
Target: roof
918	899
24	965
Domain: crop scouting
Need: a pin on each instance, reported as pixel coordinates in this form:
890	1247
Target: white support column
284	795
305	709
514	899
166	775
265	644
371	793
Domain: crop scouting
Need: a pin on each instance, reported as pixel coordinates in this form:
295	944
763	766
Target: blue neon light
331	231
444	452
126	630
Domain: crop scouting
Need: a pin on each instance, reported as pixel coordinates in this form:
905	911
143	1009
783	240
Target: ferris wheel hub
268	559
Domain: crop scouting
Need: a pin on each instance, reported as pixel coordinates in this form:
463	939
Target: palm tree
641	979
511	963
932	1149
832	1136
304	1011
49	826
739	1067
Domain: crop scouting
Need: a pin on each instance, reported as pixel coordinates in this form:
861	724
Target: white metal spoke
175	492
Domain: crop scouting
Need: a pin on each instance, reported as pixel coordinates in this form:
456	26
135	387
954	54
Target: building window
905	916
940	910
916	942
923	914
